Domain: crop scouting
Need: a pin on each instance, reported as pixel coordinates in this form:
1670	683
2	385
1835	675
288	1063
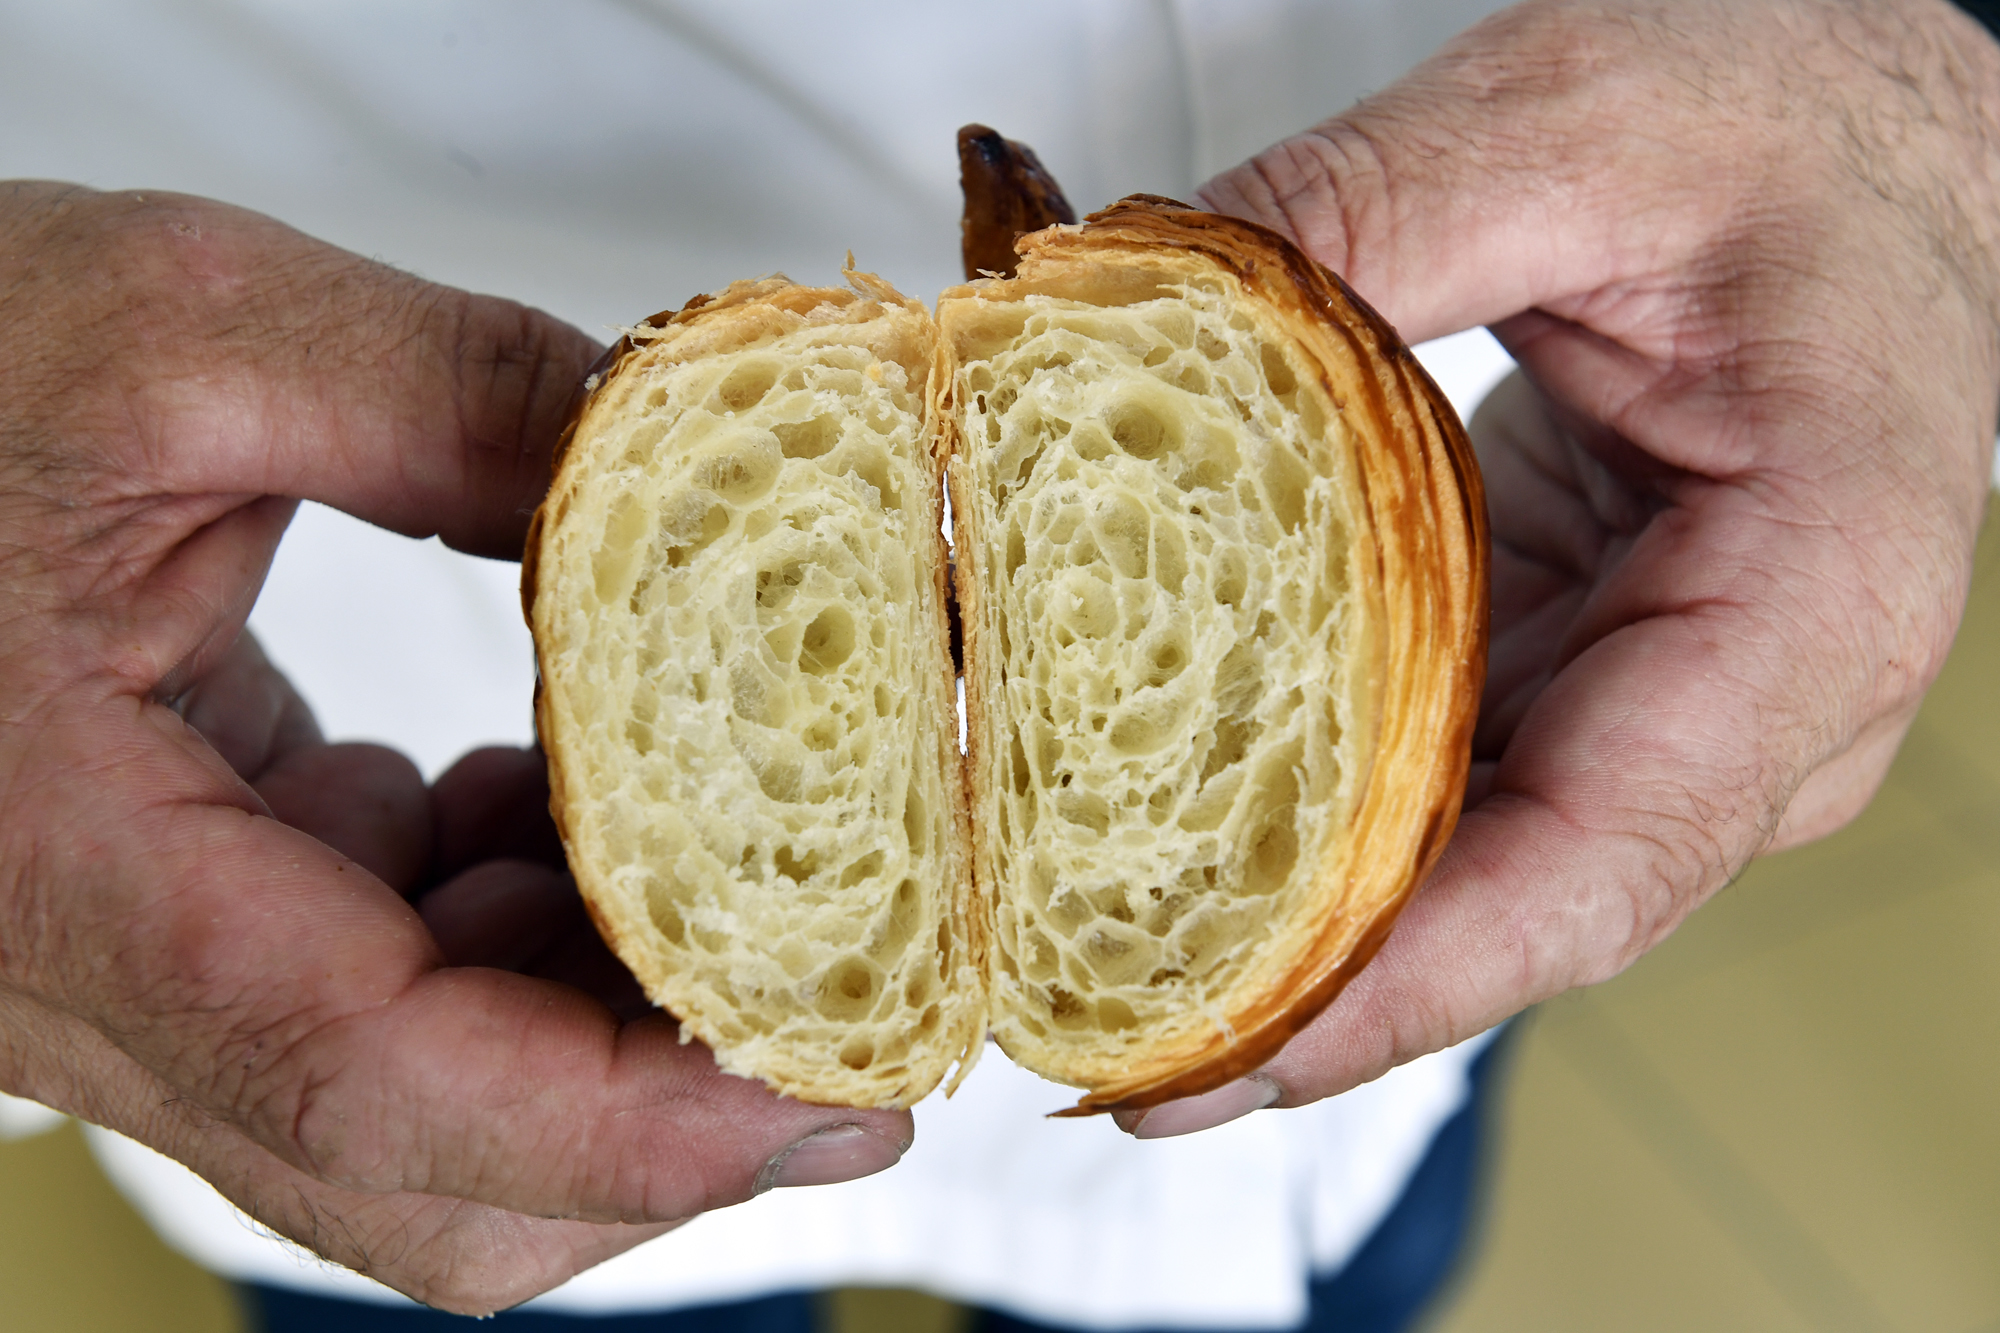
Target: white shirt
606	159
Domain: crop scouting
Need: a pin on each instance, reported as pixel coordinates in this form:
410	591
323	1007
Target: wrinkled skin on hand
1744	251
370	1013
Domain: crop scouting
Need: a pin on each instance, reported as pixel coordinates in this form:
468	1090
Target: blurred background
1786	1117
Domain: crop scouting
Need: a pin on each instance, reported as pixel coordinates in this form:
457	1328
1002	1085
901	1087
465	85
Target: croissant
1221	568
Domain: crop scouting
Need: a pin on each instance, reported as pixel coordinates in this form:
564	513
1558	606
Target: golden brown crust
1427	514
1008	193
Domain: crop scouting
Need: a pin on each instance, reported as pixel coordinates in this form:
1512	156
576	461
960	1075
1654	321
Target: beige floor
1785	1118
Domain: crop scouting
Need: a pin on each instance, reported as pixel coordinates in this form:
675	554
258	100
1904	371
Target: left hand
206	938
1747	254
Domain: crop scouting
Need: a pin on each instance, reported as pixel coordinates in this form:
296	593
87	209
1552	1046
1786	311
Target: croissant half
1221	568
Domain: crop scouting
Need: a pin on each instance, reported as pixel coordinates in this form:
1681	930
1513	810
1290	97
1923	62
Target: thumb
1475	187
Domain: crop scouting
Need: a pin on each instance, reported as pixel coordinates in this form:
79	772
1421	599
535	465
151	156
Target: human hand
204	937
1745	256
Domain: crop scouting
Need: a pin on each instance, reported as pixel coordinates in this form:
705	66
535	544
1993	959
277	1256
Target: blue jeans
1387	1283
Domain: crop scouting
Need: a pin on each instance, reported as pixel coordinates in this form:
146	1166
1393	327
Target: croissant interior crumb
752	552
1168	652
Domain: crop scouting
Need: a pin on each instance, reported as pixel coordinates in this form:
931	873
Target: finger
1781	497
169	610
494	803
367	802
246	708
580	958
502	914
1555	521
1553	503
297	369
521	916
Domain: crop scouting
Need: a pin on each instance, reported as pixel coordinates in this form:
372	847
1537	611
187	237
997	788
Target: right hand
204	937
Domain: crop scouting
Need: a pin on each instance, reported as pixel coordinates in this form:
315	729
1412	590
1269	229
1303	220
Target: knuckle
1337	190
1312	186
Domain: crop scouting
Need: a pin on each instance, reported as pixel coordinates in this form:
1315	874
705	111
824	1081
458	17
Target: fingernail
1190	1115
844	1152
